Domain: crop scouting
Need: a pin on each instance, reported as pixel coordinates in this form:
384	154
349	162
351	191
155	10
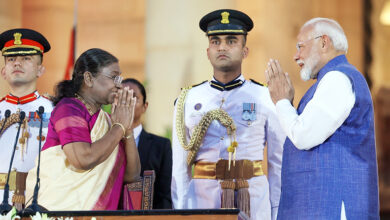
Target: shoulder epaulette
198	84
188	88
46	96
260	84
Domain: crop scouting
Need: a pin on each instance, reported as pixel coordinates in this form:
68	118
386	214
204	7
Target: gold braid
13	118
200	129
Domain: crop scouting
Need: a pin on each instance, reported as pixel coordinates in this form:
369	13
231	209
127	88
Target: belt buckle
243	169
248	169
220	169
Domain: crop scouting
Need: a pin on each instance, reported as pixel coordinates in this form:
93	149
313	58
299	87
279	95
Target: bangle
123	127
129	136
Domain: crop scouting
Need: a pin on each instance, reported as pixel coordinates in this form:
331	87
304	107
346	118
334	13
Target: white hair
329	27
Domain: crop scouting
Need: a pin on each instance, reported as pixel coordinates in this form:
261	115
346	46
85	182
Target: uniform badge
248	111
198	106
17	39
34	121
225	17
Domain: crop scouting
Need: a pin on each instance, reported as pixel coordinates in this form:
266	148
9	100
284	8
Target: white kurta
323	115
188	193
331	104
23	162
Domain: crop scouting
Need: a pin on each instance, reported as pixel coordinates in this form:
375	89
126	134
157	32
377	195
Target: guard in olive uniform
23	52
221	127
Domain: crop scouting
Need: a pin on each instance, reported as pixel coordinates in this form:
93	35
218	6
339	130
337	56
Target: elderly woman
88	155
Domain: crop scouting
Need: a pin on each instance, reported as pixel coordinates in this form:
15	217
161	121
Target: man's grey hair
329	27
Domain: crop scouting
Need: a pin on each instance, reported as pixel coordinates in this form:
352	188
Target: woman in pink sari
88	155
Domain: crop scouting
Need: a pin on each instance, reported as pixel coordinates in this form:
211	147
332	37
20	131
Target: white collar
137	131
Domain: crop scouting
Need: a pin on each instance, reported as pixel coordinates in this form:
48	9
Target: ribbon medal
248	111
34	121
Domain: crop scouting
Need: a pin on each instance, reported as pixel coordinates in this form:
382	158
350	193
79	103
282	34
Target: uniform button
249	123
222	138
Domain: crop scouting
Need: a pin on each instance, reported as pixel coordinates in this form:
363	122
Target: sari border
104	198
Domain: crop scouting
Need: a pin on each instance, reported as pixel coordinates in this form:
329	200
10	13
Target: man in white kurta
250	107
329	164
23	51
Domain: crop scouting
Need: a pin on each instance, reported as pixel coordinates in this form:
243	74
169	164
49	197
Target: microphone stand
4	206
35	207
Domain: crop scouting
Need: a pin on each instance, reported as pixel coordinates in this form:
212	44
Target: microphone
7	114
35	207
5	207
41	110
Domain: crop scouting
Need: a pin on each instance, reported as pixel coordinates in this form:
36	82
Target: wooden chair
139	195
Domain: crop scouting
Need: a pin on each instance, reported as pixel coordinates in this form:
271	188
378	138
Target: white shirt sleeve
181	172
323	115
275	140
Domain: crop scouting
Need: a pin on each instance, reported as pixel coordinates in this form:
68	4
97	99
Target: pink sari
109	198
71	122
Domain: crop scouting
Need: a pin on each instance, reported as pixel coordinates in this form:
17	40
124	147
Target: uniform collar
21	100
228	86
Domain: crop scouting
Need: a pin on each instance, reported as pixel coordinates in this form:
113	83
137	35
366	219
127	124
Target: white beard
309	64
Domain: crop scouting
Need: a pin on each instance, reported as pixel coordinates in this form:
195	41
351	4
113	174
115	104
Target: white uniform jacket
251	135
24	158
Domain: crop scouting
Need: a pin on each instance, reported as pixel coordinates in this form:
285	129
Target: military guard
221	127
23	52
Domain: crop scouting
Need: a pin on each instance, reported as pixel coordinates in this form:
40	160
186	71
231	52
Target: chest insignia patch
34	121
248	111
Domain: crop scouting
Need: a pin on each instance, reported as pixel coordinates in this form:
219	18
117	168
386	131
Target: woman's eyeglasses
117	79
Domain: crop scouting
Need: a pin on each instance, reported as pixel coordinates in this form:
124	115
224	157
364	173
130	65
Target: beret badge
17	37
225	17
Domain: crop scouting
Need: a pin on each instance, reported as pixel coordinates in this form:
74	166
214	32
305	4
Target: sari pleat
63	187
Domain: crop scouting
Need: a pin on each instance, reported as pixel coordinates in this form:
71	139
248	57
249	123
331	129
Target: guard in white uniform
220	130
23	51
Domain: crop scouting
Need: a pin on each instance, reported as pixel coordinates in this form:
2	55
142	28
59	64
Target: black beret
226	21
21	41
